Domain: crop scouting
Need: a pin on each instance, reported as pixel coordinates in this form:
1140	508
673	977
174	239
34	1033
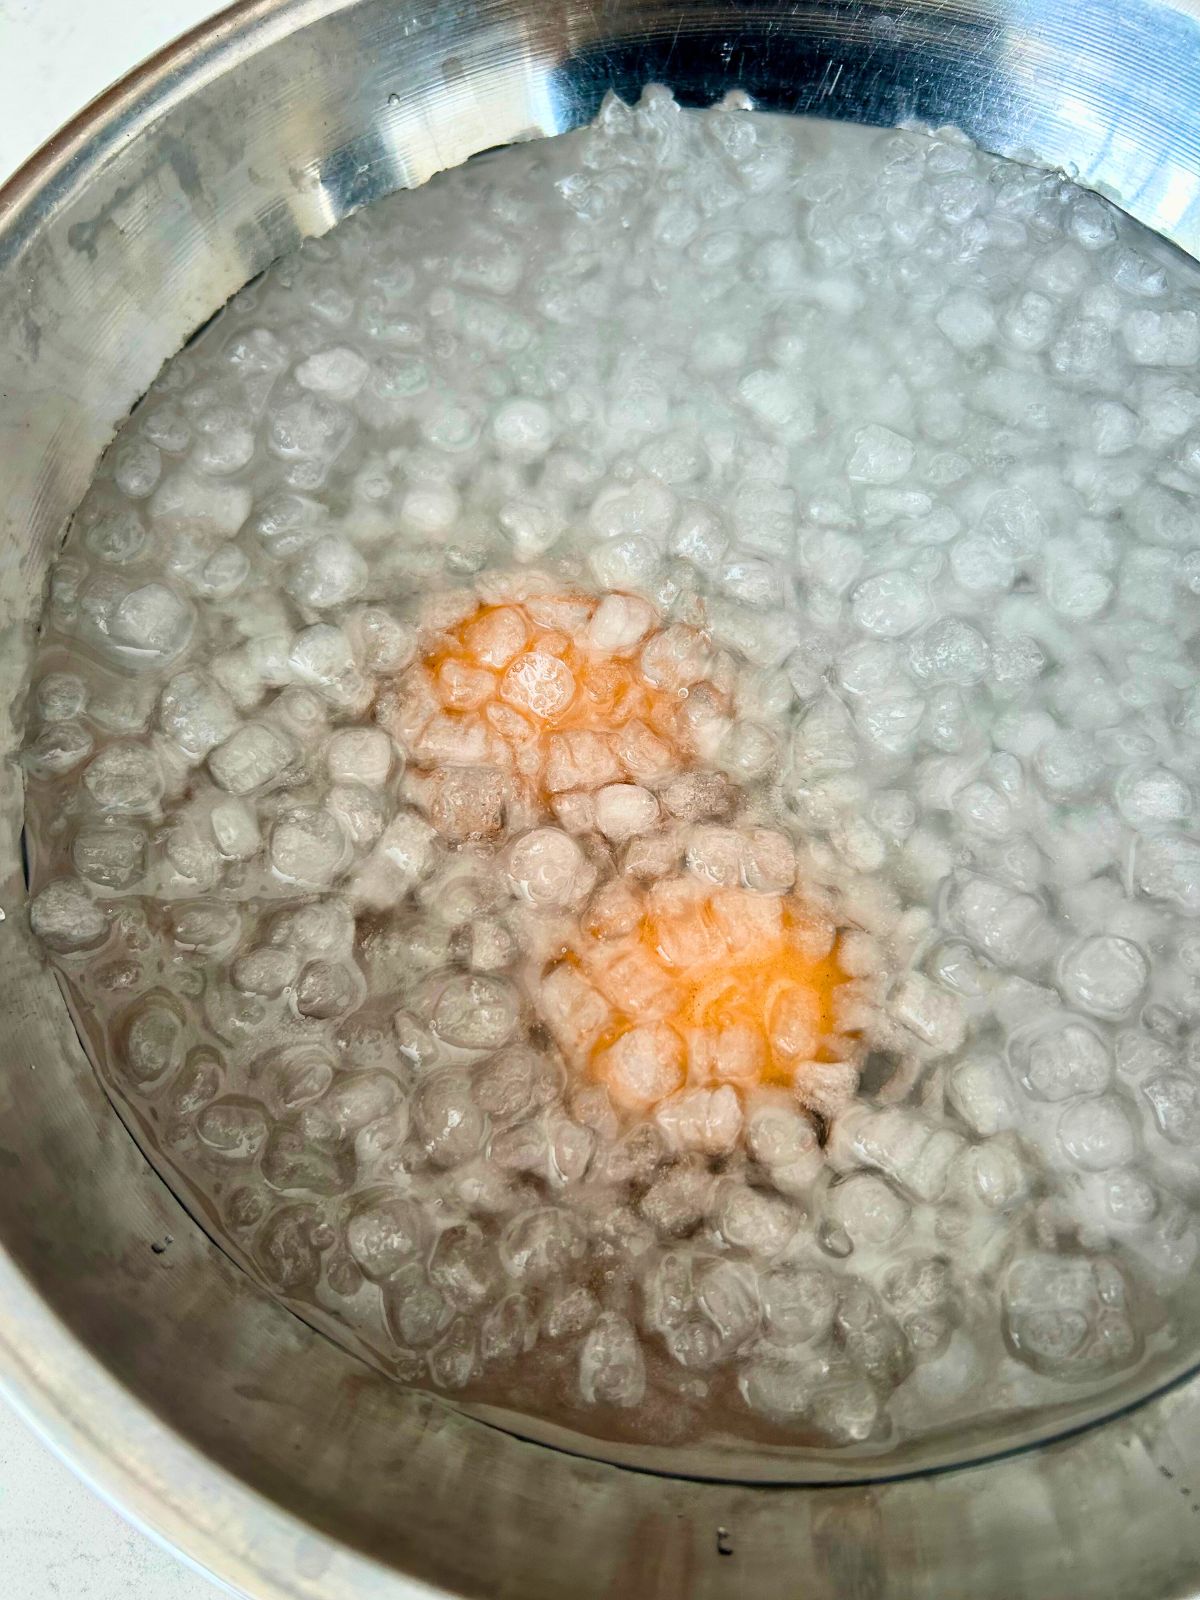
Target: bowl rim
247	1543
111	1439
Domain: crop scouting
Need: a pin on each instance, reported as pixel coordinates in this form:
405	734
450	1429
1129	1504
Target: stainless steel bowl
205	1410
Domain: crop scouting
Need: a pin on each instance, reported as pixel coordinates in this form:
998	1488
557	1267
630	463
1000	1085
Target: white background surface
57	1540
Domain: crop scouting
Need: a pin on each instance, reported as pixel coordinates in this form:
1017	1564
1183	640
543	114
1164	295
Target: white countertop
58	1541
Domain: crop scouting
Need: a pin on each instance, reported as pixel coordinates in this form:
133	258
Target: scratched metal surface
211	1414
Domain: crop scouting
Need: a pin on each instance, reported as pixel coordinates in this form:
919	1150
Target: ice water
611	781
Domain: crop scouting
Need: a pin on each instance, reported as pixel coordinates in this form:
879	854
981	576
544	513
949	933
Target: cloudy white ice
704	544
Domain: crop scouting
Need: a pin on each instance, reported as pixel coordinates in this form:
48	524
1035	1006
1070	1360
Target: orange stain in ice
770	993
748	982
524	668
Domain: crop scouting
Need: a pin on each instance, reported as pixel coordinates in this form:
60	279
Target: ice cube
784	1140
1162	338
678	1197
1151	798
60	697
329	573
980	566
524	429
137	468
251	758
782	1390
416	1313
643	1066
999	1173
468	802
890	604
507	1330
110	856
1141	1053
645	756
319	928
337	371
748	750
235	829
755	1221
476	1011
846	1408
1175	1100
185	496
265	972
704	1120
322	656
359	755
726	1292
643	508
538	684
384	1236
569	1312
126	778
880	455
798	1304
224	572
676	658
936	1016
968	320
825	1087
580	760
541	1245
327	989
464	1266
574	1012
618	624
153	623
57	750
430	510
532	527
715	854
1005	924
384	643
699	796
152	1040
981	1092
65	918
1167	867
196	713
547	868
223	440
497	636
868	1209
574	813
950	651
464	688
984	810
1103	975
211	927
1097	1133
625	809
915	1153
1068	765
513	1083
445	1117
1060	1058
452	739
1067	1316
308	847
